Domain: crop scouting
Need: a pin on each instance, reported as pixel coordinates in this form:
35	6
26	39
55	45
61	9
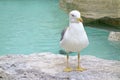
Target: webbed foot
68	69
80	69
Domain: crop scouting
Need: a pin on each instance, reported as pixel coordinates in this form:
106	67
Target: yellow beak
80	19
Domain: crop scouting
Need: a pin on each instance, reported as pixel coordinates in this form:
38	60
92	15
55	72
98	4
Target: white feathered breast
75	38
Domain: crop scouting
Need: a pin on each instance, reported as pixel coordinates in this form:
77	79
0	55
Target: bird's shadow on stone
63	52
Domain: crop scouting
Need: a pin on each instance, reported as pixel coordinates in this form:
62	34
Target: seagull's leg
67	69
79	68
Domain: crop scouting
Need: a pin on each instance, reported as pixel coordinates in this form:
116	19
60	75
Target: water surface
34	26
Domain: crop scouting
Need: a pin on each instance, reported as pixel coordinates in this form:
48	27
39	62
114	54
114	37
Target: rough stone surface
102	11
48	66
114	36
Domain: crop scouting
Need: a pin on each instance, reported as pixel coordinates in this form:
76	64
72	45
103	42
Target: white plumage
75	38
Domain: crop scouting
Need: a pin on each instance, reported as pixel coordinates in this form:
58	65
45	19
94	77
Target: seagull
74	38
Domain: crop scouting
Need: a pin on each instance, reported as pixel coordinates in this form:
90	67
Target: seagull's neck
71	24
76	26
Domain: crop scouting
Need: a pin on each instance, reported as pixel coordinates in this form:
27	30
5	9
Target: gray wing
62	34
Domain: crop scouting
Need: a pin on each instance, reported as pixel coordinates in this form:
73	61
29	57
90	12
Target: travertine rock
102	11
49	66
114	36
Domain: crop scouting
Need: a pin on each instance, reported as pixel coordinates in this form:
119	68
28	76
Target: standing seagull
74	38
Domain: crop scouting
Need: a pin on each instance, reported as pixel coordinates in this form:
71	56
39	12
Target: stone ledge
49	66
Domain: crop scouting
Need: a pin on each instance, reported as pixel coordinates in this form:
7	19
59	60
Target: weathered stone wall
93	8
104	11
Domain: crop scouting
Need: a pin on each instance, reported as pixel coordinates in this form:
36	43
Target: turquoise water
34	26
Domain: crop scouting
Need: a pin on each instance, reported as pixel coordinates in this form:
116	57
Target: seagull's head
75	17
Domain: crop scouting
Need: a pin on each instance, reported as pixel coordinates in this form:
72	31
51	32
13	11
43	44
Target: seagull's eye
72	15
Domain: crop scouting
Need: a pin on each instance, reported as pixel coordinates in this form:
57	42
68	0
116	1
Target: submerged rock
114	36
48	66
